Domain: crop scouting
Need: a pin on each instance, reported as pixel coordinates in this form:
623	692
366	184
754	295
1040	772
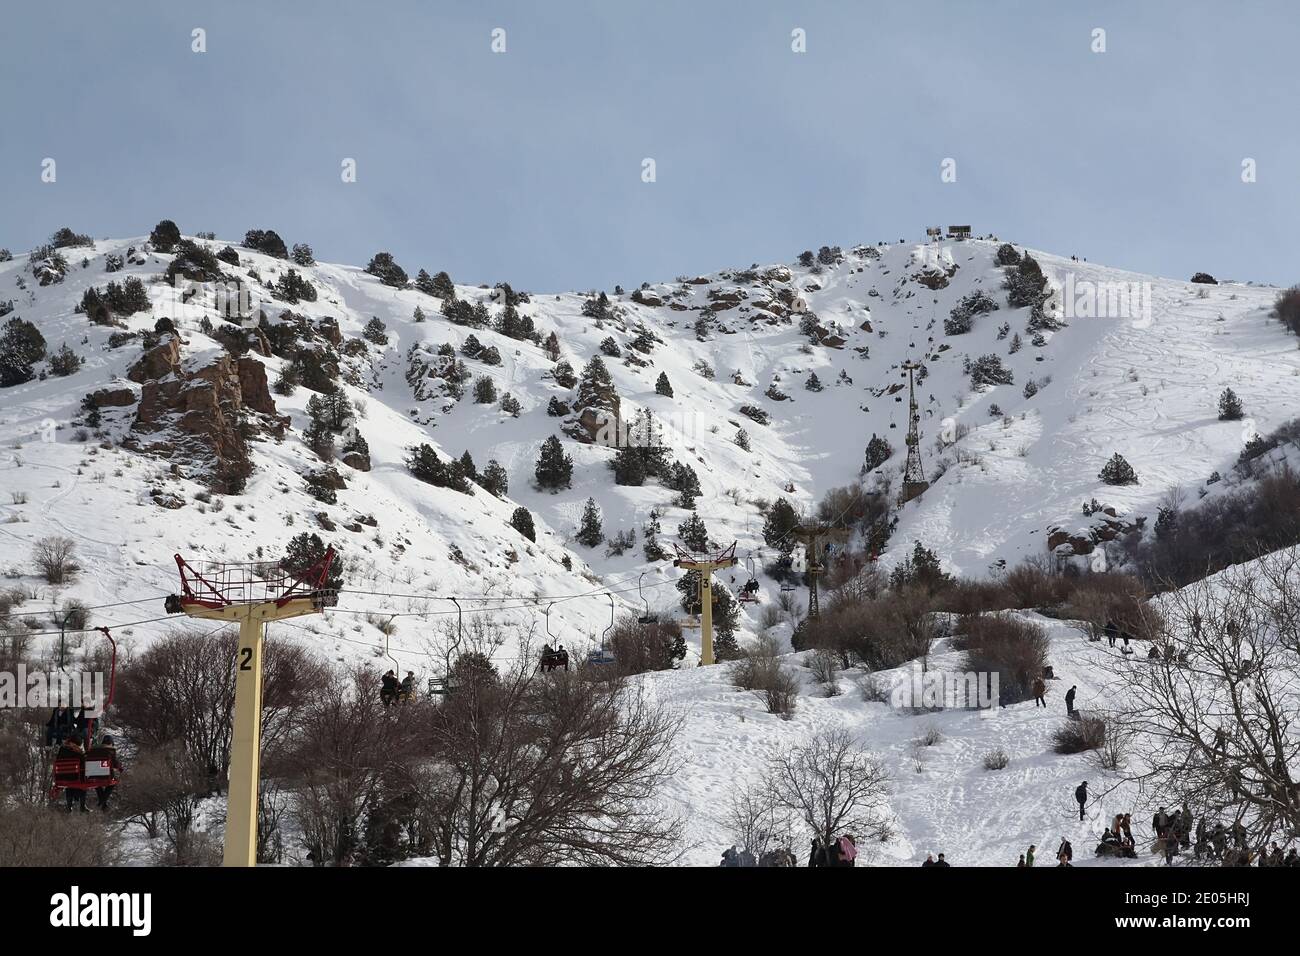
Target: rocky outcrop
158	362
1105	525
112	398
202	419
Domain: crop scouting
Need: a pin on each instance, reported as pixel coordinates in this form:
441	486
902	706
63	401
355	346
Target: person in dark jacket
1065	851
59	727
1040	688
817	855
408	687
388	689
929	860
72	750
1112	632
1081	795
107	750
1069	701
941	861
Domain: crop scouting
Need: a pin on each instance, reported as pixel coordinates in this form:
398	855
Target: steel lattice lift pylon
250	595
913	473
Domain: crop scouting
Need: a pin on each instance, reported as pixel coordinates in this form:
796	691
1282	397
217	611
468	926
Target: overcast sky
527	165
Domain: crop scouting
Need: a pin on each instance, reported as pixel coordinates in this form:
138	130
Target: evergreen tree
485	391
564	375
989	370
21	347
590	532
522	521
693	534
386	270
1230	409
424	283
1118	471
303	255
165	236
779	525
552	347
813	384
423	462
467	467
304	550
418	314
742	439
662	386
554	467
443	287
878	452
654	551
683	480
494	480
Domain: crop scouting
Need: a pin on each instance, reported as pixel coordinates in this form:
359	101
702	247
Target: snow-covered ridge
1145	389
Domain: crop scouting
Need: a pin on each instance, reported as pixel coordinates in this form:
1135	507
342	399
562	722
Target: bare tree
553	770
833	785
181	691
55	559
1212	709
33	836
757	821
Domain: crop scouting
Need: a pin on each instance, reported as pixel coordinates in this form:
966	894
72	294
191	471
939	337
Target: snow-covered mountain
1010	466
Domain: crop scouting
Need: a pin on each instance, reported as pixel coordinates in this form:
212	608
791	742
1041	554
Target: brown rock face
159	362
112	398
204	418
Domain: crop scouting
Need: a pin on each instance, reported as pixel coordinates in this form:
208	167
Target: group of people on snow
737	856
837	851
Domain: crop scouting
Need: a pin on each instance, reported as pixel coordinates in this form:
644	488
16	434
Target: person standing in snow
1112	632
1021	864
817	856
847	850
1029	855
1040	688
941	861
1069	701
929	860
1064	853
1081	795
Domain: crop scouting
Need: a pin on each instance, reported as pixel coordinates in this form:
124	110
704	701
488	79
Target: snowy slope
1145	390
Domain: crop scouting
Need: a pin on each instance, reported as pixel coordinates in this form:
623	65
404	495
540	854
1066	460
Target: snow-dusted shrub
1079	735
996	759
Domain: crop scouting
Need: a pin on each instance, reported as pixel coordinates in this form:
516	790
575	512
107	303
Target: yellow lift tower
706	565
250	595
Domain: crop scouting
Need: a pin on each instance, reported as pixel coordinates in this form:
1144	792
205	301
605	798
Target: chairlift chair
602	656
749	591
647	617
97	765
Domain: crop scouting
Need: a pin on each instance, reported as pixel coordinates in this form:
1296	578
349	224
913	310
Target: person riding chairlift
408	687
72	750
388	689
